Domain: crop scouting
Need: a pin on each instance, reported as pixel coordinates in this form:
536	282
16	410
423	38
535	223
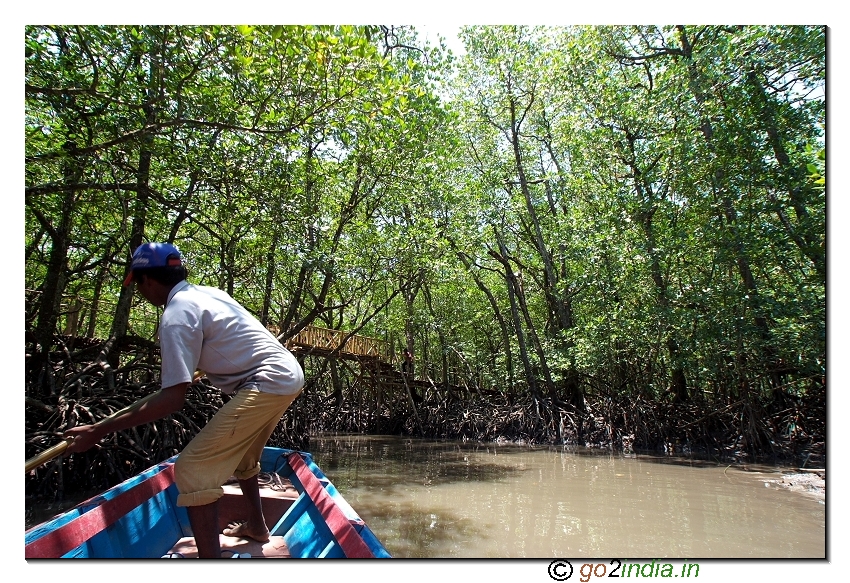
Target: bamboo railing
325	340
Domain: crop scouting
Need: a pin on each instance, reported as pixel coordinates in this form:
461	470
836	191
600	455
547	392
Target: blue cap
154	255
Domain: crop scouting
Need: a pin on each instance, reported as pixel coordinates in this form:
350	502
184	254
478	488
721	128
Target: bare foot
242	530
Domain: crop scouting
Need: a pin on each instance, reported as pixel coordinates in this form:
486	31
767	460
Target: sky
444	17
433	32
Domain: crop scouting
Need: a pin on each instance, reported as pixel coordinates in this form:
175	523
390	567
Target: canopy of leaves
576	210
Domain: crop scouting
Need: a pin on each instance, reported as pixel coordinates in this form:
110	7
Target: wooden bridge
376	360
377	364
316	341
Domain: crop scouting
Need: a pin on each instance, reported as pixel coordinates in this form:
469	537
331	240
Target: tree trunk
270	273
730	214
120	323
646	196
557	307
796	181
506	341
56	277
510	281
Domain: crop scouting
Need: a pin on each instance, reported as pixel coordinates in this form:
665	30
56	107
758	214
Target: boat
139	518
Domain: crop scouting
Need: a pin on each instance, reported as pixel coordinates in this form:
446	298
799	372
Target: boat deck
275	548
276	499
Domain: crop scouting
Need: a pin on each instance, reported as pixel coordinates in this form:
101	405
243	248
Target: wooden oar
47	455
59	448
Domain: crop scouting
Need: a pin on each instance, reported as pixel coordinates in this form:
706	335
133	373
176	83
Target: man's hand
81	438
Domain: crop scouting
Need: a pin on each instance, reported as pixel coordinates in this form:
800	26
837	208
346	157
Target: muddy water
427	499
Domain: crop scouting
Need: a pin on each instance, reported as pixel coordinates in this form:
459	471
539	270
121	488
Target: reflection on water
452	499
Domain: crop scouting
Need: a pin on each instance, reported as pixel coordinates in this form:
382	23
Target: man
204	328
407	362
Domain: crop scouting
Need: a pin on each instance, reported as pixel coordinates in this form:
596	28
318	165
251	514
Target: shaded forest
603	236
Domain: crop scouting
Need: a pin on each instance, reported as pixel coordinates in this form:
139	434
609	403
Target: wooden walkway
373	354
316	341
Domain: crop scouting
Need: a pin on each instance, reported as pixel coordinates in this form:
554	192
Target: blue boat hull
139	518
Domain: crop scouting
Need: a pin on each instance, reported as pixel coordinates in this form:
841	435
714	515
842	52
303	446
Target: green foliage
351	176
817	167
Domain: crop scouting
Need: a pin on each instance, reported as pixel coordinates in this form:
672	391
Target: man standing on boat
204	328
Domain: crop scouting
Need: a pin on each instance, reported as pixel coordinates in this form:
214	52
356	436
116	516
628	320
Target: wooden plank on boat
349	539
275	548
275	503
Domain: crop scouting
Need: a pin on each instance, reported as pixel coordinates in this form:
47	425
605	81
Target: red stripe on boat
74	533
349	540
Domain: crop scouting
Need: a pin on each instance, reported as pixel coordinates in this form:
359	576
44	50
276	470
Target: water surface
441	499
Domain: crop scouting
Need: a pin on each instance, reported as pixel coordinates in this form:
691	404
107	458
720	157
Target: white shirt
204	328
